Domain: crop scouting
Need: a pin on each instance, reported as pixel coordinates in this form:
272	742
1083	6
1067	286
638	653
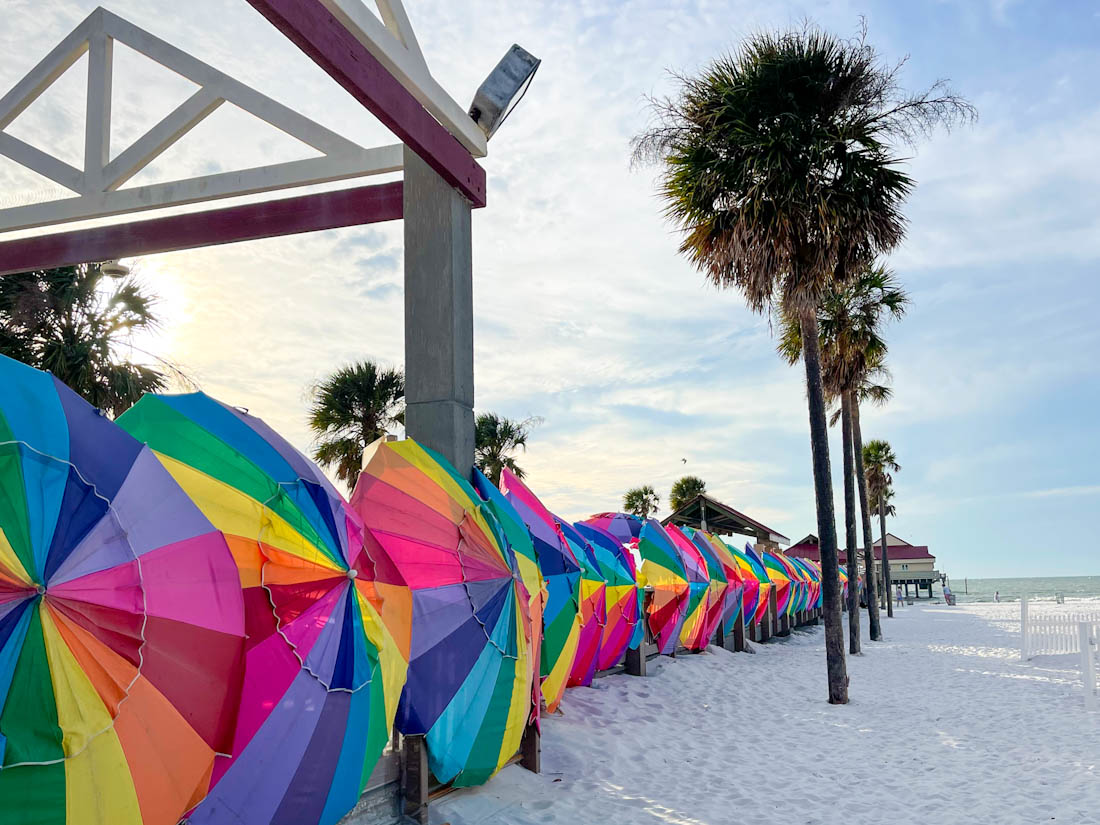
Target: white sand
945	725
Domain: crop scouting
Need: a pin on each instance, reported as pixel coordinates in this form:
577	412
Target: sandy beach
945	725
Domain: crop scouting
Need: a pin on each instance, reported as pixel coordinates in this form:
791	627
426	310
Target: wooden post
530	748
635	661
1024	630
767	626
739	632
1088	663
719	636
414	778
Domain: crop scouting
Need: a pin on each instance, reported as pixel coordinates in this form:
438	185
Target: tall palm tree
75	321
351	408
880	464
775	166
850	321
641	501
871	389
684	490
495	439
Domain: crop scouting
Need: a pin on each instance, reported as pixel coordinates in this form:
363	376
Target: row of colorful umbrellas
193	621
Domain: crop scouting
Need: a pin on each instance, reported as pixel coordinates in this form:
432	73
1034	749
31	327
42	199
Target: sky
586	317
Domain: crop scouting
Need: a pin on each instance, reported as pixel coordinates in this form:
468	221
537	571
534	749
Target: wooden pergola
706	513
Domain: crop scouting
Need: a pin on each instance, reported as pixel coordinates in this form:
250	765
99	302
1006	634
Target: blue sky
585	315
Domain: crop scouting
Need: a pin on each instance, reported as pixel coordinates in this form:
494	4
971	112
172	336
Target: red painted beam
247	222
314	30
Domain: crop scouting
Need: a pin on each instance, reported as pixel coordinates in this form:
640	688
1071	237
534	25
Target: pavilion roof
722	519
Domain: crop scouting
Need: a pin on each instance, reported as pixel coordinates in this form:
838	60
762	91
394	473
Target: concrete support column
439	315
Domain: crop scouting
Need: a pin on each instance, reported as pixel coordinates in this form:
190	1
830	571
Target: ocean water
1046	587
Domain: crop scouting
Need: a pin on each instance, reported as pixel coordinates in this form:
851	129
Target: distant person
996	595
947	596
899	596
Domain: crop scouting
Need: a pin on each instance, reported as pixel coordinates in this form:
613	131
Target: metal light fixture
503	89
114	269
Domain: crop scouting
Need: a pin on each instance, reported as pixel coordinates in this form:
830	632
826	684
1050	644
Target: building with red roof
910	564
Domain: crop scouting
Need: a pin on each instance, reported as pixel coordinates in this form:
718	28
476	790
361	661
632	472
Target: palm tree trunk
850	522
826	518
885	553
865	512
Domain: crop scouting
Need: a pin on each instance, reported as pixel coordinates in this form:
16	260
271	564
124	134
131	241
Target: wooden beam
314	30
247	222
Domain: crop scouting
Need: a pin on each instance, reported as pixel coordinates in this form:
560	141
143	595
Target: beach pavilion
711	515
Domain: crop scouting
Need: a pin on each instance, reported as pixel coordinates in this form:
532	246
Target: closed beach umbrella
624	628
121	621
780	579
693	633
753	565
716	591
732	598
593	606
562	572
519	538
663	570
813	579
469	680
324	666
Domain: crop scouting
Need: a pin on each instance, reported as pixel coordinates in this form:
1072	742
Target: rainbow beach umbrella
693	634
780	579
718	586
812	578
469	688
562	572
663	570
323	667
732	598
752	567
624	628
593	607
121	621
519	538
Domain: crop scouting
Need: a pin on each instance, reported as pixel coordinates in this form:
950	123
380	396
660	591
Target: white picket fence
1088	640
1052	633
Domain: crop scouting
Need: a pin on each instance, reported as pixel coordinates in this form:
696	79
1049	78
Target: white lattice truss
97	185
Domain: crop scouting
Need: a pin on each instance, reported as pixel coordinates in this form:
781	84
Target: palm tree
850	321
641	501
775	166
880	464
351	408
871	389
74	321
495	439
684	490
